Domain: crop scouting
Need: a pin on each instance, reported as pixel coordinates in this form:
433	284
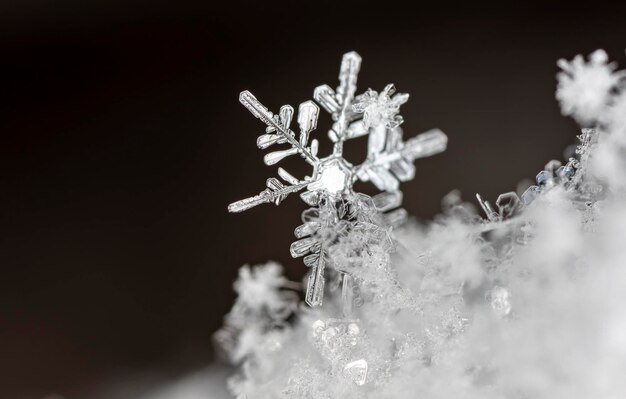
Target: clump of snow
528	306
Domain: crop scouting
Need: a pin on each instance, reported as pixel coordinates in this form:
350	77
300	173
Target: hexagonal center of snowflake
335	176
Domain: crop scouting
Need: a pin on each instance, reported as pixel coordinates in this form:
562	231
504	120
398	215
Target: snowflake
264	303
260	287
330	186
380	108
584	87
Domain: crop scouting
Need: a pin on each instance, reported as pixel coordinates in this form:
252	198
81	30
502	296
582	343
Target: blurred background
123	142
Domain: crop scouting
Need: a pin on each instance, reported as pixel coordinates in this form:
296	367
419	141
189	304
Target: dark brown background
123	142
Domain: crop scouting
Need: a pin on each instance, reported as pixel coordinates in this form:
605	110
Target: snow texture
526	302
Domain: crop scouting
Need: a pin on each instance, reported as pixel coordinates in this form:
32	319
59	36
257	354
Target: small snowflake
260	287
380	109
584	86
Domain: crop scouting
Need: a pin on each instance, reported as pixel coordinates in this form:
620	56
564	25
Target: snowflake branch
420	146
267	195
260	111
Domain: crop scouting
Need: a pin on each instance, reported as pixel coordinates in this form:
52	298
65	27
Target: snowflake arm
278	132
390	160
280	125
339	101
275	192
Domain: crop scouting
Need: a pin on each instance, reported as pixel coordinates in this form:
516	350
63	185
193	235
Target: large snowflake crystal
329	188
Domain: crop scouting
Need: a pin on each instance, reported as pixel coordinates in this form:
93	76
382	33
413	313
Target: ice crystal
356	371
499	298
329	188
527	303
569	176
380	108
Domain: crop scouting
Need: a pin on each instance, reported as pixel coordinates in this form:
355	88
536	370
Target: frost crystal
329	188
